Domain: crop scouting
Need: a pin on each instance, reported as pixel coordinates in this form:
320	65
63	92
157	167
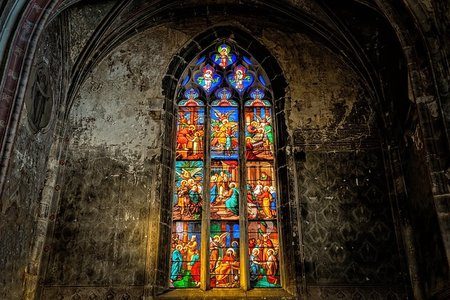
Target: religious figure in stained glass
240	79
238	107
223	57
185	258
208	79
224	132
224	258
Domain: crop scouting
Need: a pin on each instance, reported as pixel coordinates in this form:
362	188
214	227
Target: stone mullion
243	222
204	273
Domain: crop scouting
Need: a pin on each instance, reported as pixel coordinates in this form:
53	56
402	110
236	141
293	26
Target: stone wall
19	204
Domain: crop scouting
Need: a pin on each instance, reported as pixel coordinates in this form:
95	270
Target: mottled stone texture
83	19
27	173
109	200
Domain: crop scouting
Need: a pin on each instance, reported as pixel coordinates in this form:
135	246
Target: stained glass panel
224	57
240	79
224	132
261	191
208	79
263	254
190	133
224	254
223	96
224	190
185	255
259	138
217	84
187	201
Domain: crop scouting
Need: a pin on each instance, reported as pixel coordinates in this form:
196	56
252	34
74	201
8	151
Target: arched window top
225	74
225	155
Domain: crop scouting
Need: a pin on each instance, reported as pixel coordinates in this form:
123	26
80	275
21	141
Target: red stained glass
259	138
264	251
224	254
229	87
224	190
261	191
185	255
190	133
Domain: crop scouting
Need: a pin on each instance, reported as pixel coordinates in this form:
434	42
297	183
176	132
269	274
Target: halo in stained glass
224	254
213	85
224	57
185	255
208	79
259	137
224	190
264	250
240	79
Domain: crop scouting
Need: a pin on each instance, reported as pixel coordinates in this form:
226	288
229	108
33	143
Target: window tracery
225	199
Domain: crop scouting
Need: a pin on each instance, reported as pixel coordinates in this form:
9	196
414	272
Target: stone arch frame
170	83
32	16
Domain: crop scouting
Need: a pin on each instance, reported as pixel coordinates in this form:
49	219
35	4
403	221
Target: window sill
224	293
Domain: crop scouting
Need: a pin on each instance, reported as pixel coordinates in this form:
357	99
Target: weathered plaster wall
19	203
83	20
106	229
348	232
109	199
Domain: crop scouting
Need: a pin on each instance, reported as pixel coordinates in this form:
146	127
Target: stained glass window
225	154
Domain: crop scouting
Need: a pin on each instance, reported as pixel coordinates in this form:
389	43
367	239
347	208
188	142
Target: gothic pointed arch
220	89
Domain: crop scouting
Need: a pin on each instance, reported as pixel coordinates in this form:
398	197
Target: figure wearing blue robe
232	203
213	193
177	263
254	268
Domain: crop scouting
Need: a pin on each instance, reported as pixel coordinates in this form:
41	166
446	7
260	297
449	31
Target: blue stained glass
224	57
224	132
262	80
240	79
185	81
247	60
208	79
223	96
191	98
200	60
256	95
